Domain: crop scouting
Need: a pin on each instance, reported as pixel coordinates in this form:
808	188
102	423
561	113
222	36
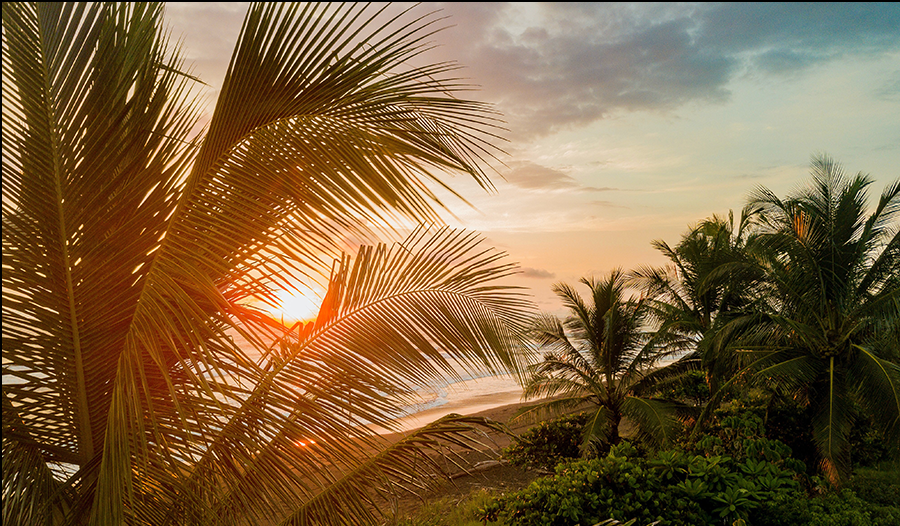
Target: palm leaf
665	377
556	406
653	419
877	382
129	242
419	312
597	430
413	464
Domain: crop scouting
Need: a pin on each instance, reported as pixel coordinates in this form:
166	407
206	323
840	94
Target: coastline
482	396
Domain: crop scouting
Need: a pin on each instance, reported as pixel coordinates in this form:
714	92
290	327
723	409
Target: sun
293	306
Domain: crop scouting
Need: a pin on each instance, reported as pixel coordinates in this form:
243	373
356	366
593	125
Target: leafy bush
878	487
674	487
836	508
733	474
691	389
868	444
786	420
738	432
548	443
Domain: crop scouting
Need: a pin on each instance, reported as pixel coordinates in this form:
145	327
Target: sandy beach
496	398
471	397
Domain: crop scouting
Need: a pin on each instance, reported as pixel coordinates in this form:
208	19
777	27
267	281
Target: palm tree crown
708	283
134	248
599	356
830	334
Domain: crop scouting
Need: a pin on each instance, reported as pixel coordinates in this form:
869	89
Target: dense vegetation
733	473
802	298
787	383
549	443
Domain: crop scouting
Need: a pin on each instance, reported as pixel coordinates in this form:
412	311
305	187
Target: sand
485	395
495	398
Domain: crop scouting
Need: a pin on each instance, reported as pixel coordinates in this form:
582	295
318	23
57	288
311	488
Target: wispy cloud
553	65
532	176
538	273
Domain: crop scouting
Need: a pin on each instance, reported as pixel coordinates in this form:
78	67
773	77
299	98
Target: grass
452	511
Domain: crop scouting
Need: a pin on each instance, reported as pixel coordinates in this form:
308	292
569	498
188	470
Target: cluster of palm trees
802	296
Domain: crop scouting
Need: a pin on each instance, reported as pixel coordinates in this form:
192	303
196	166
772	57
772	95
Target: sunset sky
628	122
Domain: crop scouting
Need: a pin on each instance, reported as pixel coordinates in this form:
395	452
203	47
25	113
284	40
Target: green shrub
737	430
692	389
835	508
674	487
733	474
548	443
878	487
868	444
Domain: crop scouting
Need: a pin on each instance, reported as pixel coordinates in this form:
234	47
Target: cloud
607	204
538	273
551	66
532	176
890	89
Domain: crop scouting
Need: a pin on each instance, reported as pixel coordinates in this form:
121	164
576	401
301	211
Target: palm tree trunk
616	420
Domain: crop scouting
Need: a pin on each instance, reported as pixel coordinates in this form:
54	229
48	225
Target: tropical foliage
548	443
705	286
794	316
599	357
135	249
831	330
801	299
734	475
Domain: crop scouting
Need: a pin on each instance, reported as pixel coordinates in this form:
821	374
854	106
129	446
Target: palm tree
830	335
708	282
134	248
599	357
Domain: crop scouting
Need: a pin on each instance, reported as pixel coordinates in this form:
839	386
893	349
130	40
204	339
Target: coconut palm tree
831	332
708	282
599	358
135	249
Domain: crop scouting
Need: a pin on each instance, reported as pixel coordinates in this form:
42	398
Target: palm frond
790	370
832	421
665	377
553	407
415	463
393	319
129	241
598	430
548	331
653	418
550	385
876	383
